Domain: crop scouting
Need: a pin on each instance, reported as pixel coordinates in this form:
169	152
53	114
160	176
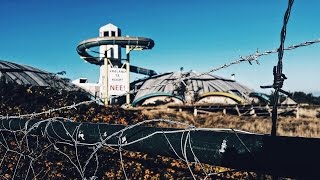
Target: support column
128	74
105	83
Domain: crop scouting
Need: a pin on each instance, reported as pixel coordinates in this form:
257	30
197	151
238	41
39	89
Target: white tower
114	79
112	52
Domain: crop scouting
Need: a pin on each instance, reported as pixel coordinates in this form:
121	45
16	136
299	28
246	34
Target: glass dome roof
27	75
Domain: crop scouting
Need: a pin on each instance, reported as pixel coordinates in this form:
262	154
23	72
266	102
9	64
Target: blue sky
197	35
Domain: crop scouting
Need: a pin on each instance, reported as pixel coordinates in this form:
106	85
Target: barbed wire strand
120	154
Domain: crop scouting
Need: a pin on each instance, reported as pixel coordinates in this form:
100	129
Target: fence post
252	112
195	112
238	111
269	110
224	111
297	112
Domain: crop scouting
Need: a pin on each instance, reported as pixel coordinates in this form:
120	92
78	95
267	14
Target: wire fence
61	148
25	144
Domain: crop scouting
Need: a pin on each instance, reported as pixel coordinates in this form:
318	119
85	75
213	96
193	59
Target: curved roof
195	83
27	75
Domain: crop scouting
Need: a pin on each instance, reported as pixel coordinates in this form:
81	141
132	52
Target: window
113	33
83	80
106	33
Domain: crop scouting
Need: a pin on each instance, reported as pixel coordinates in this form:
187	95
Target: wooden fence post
269	110
252	112
224	111
297	112
195	112
238	111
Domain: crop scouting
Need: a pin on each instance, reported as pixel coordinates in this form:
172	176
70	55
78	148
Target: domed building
26	75
194	88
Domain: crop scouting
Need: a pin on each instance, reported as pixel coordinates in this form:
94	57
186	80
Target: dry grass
308	125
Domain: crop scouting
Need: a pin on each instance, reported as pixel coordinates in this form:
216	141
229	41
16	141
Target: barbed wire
27	135
248	58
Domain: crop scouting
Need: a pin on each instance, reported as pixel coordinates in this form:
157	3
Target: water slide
135	43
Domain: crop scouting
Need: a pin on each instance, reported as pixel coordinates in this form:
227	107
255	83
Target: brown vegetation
52	165
308	125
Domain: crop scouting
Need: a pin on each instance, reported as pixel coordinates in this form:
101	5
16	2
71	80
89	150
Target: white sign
117	81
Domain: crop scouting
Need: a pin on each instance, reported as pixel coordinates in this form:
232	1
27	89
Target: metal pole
275	113
279	77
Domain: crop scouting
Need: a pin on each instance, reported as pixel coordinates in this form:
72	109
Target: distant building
288	101
92	88
27	75
195	89
259	98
